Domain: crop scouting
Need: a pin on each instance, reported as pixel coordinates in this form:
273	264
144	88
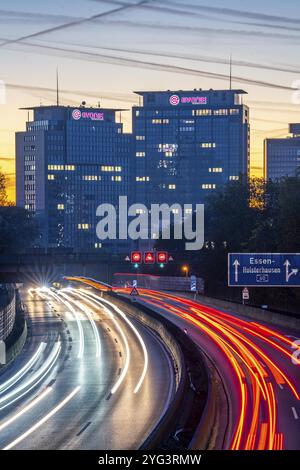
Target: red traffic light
136	257
162	257
149	257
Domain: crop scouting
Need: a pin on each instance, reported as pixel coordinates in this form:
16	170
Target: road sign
193	284
149	257
162	257
136	257
134	283
245	294
127	258
134	292
264	269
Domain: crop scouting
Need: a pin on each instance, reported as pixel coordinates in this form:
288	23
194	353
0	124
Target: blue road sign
264	269
193	284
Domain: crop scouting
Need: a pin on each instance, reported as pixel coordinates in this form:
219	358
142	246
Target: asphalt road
74	386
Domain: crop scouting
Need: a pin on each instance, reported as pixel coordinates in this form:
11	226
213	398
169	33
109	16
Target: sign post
194	285
245	295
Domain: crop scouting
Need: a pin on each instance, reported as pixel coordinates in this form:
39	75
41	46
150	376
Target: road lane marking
295	413
43	420
84	428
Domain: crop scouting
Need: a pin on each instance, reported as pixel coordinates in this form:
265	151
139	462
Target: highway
261	384
87	378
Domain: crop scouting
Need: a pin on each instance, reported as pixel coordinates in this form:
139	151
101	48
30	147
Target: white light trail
91	320
13	380
43	420
136	332
78	321
34	380
26	408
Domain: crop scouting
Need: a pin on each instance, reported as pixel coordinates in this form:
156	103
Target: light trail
90	318
134	329
127	357
43	420
34	380
78	321
256	427
26	408
13	380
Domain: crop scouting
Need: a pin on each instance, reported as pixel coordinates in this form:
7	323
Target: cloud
6	159
236	12
72	23
106	58
21	15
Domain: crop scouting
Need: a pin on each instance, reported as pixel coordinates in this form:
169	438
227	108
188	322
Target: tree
18	229
3	194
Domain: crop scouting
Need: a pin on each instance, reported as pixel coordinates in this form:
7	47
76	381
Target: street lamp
185	269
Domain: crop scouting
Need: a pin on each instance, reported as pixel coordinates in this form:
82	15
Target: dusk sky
155	45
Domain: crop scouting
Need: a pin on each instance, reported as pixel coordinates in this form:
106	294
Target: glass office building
189	143
282	156
68	161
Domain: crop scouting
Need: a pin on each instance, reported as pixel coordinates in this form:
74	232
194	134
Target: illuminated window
140	154
83	226
51	177
110	168
202	112
140	137
208	145
156	121
56	167
188	211
208	186
98	245
90	178
60	207
215	170
220	112
234	111
116	178
234	178
70	167
140	211
142	178
172	186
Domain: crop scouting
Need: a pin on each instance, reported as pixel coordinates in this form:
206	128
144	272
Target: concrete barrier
17	347
274	318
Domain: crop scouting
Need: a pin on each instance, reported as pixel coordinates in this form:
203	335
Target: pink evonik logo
174	100
76	114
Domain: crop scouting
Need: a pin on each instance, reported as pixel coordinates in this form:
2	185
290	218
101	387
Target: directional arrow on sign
288	273
236	265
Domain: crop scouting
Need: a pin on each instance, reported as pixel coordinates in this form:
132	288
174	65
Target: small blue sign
264	269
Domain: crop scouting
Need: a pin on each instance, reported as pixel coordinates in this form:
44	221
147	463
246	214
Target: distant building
282	156
68	161
189	143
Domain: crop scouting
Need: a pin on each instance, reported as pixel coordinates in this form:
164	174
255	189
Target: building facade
189	143
68	161
282	156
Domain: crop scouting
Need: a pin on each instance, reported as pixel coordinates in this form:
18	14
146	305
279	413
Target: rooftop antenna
230	73
57	88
